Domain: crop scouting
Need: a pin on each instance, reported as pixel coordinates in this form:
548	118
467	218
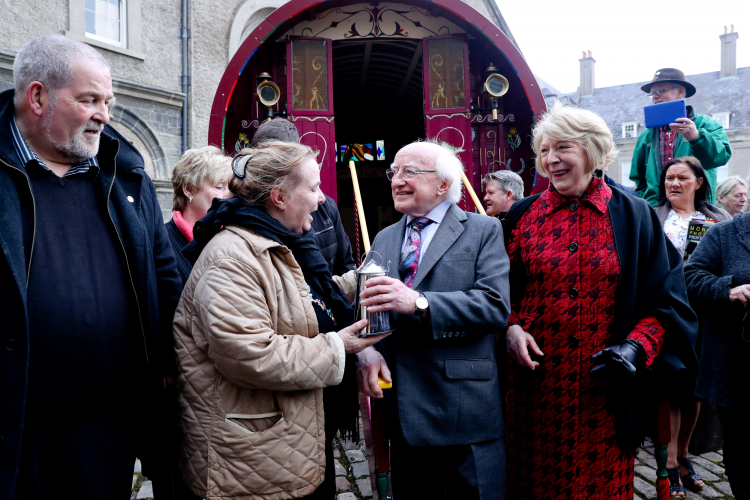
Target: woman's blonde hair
266	166
566	123
195	166
726	186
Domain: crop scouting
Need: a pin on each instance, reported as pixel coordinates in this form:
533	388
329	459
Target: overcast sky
629	39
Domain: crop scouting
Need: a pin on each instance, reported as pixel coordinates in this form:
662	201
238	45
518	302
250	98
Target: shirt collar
596	195
436	214
25	154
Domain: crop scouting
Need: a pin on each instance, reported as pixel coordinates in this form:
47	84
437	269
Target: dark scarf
238	212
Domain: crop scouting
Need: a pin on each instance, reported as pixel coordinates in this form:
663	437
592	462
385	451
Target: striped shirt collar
25	154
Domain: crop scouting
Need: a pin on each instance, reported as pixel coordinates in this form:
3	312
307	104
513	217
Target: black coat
651	284
720	262
331	238
151	266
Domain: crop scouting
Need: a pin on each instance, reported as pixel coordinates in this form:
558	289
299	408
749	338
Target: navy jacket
445	373
718	264
135	213
331	238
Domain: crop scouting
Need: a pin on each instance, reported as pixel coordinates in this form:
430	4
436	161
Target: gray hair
726	186
49	59
448	166
195	166
508	181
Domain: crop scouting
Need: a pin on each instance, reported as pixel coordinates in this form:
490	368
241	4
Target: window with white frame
630	130
722	118
721	174
625	175
105	21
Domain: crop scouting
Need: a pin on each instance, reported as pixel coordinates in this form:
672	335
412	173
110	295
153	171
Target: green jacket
711	148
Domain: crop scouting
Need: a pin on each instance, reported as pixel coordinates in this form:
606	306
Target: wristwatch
421	306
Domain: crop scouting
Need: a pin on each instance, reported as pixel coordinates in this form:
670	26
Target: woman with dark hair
683	191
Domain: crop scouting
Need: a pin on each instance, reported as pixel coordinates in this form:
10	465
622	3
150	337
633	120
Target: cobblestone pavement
353	475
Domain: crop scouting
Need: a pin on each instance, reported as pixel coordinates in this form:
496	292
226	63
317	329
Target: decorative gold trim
430	117
295	118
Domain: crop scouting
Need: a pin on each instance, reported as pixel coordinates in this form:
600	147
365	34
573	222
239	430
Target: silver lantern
378	322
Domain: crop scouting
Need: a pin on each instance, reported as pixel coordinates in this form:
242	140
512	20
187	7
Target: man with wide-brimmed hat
699	136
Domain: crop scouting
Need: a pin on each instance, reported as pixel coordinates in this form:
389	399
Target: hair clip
241	173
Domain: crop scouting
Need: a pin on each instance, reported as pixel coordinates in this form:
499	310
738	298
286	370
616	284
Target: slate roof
624	103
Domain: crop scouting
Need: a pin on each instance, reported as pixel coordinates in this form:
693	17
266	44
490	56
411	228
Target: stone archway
140	134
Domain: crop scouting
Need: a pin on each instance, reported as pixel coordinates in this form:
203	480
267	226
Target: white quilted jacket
252	369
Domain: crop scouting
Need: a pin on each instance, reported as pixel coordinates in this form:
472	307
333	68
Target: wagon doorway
379	102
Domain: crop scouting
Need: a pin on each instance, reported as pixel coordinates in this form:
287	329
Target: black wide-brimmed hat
670	75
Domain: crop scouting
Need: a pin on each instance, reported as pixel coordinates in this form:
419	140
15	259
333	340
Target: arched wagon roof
457	11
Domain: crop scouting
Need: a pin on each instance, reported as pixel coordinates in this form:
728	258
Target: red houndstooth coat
560	440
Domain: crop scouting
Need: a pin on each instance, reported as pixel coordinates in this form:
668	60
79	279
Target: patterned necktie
410	254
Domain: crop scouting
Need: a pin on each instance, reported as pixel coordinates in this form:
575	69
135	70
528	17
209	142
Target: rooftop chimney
728	53
587	74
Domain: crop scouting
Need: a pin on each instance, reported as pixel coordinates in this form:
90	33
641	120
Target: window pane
114	9
310	74
114	29
90	5
90	22
447	85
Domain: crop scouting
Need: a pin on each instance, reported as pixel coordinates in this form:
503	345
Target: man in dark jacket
329	233
88	282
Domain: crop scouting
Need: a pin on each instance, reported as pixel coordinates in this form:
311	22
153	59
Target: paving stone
340	470
346	496
651	462
643	488
720	452
649	449
365	487
706	492
137	467
350	445
716	469
361	469
703	473
342	484
336	453
146	492
647	472
135	480
713	457
723	486
643	455
355	456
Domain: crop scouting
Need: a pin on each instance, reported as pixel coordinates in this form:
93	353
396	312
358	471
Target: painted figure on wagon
599	323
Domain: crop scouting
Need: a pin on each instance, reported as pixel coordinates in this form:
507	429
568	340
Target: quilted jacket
252	370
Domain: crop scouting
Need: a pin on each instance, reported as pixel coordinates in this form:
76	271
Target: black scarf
238	212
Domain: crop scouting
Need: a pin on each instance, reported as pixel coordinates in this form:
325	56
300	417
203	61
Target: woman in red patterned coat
593	286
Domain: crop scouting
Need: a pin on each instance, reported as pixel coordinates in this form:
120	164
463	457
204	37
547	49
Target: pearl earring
190	199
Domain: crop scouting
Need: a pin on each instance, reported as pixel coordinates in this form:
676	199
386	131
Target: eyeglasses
659	92
406	173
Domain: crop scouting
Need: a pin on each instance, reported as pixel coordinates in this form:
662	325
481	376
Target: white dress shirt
436	216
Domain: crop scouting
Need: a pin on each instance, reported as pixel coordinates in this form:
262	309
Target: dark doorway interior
378	96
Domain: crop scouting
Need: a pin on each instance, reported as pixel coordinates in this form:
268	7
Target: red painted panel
455	130
318	133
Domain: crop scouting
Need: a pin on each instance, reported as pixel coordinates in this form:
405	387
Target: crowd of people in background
529	351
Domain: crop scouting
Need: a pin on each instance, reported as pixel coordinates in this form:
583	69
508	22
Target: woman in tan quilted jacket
260	331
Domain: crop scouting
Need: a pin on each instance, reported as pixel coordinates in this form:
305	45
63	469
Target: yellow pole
360	208
473	195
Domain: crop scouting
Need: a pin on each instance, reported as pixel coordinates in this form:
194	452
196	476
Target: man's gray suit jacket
444	368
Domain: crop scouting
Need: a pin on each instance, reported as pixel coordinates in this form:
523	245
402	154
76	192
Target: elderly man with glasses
699	136
448	292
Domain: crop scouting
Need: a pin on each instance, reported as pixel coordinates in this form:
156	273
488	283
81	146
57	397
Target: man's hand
387	294
686	127
518	342
354	344
370	364
740	294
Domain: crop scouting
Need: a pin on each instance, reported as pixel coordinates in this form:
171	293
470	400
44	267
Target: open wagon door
446	97
310	101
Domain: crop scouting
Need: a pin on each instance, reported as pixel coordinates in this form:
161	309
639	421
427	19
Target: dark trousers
87	461
466	472
734	424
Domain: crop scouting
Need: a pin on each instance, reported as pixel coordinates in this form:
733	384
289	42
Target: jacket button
215	491
303	293
321	432
573	341
216	467
11	345
573	293
130	199
573	247
573	206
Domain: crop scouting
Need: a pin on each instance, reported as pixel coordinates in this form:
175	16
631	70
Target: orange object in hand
383	384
